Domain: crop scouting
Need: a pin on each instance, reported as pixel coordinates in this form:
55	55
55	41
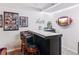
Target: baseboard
11	50
68	49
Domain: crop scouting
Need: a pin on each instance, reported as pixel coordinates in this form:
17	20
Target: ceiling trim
52	6
74	6
43	8
48	7
35	8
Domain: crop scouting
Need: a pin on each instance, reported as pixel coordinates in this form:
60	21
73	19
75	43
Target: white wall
46	17
70	37
11	39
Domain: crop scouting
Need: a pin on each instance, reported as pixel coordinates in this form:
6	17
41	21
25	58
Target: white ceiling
40	6
59	6
47	7
31	6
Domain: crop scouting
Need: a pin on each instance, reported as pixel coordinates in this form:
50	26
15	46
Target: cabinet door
43	45
55	45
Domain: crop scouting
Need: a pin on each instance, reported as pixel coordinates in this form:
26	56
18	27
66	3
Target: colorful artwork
64	21
11	21
23	21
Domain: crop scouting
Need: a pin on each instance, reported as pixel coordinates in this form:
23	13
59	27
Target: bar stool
27	45
31	48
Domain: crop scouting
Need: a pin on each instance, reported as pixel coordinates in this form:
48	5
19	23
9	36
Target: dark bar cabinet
48	45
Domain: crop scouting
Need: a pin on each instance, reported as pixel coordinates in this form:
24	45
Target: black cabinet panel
43	45
48	46
55	45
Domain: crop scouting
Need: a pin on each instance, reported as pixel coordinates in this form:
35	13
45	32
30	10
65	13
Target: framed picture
11	21
23	21
1	21
64	21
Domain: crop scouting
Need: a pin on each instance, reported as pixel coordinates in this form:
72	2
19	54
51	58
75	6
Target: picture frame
23	21
1	21
64	21
11	21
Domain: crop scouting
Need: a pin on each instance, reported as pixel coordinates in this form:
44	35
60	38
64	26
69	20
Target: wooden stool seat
32	51
16	51
27	43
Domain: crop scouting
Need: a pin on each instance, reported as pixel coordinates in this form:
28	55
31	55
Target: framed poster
23	21
64	21
11	21
1	21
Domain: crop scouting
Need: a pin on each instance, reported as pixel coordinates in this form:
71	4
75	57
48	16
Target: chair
31	48
27	45
3	51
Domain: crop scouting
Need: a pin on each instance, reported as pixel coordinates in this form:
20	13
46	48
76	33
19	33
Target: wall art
23	21
11	21
64	21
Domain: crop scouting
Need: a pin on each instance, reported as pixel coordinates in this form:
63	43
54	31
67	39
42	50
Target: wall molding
71	50
52	6
65	9
11	50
